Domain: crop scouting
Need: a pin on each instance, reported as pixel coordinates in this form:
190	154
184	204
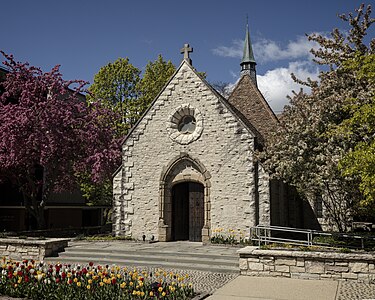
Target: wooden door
196	211
188	211
180	210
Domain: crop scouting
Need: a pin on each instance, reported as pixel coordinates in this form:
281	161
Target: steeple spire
248	62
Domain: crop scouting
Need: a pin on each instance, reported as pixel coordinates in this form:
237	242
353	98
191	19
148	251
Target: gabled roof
248	101
232	109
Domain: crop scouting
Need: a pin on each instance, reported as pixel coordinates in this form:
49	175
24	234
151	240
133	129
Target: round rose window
185	124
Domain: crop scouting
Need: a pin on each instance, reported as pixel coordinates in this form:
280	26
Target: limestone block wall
307	265
224	147
264	197
19	249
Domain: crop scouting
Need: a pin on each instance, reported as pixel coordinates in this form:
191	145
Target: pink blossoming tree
48	135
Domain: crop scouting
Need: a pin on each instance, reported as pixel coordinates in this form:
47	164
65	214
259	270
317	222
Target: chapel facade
188	165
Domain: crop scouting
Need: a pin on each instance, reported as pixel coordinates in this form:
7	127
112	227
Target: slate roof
250	103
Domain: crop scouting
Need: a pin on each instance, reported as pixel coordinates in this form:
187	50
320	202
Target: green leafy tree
116	86
156	75
119	86
359	130
304	152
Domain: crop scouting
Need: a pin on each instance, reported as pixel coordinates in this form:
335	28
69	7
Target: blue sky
82	36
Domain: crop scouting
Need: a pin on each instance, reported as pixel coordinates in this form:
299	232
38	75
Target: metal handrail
262	234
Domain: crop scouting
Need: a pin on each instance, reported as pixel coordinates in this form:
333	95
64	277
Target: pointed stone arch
182	168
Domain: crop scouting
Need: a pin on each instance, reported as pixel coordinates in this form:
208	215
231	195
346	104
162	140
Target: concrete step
145	258
159	257
163	253
147	264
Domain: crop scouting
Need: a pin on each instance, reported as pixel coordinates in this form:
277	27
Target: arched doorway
183	180
187	211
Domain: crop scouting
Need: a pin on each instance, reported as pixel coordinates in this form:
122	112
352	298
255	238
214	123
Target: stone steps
150	259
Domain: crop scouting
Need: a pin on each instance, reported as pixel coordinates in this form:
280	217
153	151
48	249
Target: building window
318	206
185	124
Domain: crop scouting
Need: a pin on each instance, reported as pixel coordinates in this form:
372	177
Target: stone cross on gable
186	50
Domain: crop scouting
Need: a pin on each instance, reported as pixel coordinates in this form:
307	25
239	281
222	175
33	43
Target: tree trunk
40	218
35	209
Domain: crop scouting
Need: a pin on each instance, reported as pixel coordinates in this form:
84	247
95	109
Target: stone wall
307	265
19	249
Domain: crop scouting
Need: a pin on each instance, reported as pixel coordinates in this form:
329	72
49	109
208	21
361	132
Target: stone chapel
188	165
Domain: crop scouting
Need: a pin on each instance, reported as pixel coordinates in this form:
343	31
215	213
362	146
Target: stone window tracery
185	124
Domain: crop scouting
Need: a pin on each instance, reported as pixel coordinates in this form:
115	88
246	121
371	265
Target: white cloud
236	50
268	50
276	84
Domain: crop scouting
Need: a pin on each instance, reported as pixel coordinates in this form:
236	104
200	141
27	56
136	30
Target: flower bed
229	237
37	280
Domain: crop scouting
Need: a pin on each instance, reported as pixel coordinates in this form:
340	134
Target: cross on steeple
186	50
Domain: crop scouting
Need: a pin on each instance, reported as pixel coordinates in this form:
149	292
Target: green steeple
248	56
248	61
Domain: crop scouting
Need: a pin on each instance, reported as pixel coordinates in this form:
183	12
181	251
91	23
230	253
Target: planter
307	264
20	249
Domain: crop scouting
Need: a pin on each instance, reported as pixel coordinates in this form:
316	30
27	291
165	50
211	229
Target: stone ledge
252	251
307	265
37	249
